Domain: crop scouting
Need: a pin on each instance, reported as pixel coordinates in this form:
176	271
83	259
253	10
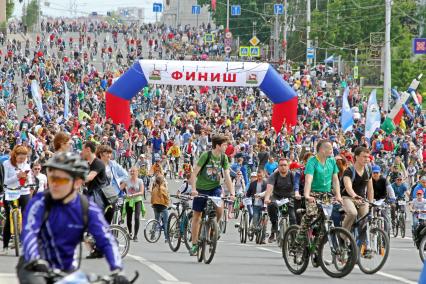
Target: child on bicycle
160	200
417	206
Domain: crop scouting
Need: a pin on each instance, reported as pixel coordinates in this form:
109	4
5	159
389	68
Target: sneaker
94	255
135	239
194	250
271	238
5	251
131	236
166	241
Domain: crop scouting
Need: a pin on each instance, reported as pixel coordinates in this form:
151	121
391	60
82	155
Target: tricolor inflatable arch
202	73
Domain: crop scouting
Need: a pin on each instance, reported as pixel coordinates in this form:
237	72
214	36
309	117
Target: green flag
388	126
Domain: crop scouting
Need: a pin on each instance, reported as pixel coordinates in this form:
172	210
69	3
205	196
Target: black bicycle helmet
70	163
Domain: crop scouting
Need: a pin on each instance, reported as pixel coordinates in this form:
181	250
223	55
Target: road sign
310	53
244	50
254	41
157	7
235	10
227	49
208	38
419	46
278	9
196	9
254	51
228	35
356	72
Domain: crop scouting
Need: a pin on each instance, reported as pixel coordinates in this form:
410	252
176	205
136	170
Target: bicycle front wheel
122	238
402	225
152	231
373	257
337	253
296	257
187	230
422	249
173	227
16	230
395	228
283	227
210	242
224	221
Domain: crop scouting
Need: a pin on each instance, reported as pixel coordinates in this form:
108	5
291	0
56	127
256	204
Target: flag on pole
35	91
373	115
347	119
67	101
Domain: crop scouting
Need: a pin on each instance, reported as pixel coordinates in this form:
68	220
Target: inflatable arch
202	73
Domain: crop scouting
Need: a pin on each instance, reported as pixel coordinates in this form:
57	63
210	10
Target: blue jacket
418	186
57	239
118	174
399	190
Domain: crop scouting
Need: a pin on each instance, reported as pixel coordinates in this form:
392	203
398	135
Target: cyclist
256	187
421	185
401	190
174	151
280	185
55	222
416	205
320	174
205	179
382	190
16	173
358	185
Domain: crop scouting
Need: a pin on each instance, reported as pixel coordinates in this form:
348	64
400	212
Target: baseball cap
423	178
253	174
419	191
376	169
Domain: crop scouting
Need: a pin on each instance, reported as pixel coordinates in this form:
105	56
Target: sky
62	8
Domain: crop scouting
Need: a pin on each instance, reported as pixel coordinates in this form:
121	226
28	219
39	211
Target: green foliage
10	4
242	26
32	10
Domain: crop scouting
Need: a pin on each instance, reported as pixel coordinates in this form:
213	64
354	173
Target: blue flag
347	119
67	101
373	115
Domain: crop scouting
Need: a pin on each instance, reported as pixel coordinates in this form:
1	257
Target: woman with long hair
17	172
160	200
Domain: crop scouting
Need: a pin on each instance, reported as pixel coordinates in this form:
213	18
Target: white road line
384	274
169	278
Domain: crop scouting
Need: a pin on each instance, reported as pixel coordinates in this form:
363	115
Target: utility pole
178	14
422	6
308	30
387	75
276	37
285	33
227	15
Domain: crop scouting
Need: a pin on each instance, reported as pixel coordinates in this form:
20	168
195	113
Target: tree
10	5
31	14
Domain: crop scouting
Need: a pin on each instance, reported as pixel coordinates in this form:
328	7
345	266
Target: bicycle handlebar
20	187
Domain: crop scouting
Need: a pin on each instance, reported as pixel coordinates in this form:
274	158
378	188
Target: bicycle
2	217
260	229
243	226
12	195
179	225
224	220
400	215
209	229
284	219
153	229
371	240
419	233
336	250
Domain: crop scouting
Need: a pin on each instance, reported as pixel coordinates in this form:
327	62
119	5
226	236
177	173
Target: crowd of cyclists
217	142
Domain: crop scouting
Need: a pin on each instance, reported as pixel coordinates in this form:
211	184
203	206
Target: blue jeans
164	215
257	211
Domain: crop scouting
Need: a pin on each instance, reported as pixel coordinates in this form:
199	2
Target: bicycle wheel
187	230
283	225
122	238
246	225
16	230
371	259
224	221
337	253
201	241
395	228
236	209
152	231
422	249
173	227
210	242
2	222
296	257
402	225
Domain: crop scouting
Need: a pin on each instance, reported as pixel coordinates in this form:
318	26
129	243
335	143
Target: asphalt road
236	263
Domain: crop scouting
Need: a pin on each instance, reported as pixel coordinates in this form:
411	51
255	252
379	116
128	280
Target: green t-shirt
322	173
209	178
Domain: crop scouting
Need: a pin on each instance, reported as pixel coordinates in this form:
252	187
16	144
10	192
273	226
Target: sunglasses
58	180
283	165
399	179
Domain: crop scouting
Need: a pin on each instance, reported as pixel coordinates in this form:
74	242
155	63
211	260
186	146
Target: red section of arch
118	109
284	114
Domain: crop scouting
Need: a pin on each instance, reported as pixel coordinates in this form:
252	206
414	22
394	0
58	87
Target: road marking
9	278
384	274
169	278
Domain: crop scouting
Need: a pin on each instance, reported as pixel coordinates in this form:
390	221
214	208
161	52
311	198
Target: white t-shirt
42	178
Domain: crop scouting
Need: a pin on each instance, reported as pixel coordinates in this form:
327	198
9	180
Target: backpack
367	168
378	146
291	178
209	156
84	206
